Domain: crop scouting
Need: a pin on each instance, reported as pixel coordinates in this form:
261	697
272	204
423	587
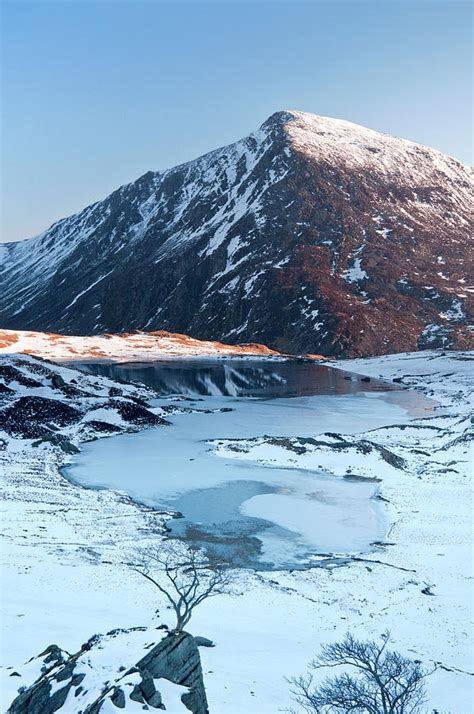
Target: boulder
203	642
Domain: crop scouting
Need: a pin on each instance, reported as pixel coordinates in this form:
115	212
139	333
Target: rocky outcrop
177	658
90	683
312	235
33	417
56	405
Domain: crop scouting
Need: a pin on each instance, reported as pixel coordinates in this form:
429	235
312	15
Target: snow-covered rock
128	669
48	404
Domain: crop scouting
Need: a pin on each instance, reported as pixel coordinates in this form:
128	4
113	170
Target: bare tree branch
184	575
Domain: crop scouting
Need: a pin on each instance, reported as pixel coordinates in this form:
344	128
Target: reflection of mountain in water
243	378
220	380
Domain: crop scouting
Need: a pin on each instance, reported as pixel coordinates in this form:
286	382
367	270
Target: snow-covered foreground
63	553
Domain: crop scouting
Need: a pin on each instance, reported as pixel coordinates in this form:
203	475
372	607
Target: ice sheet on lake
173	467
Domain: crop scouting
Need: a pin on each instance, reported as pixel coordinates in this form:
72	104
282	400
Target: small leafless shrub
385	682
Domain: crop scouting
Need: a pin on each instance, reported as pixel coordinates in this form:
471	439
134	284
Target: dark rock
147	686
156	701
69	390
57	440
39	700
359	477
103	427
175	658
68	447
65	672
53	654
137	400
396	461
203	642
118	698
12	374
137	695
57	381
77	679
136	413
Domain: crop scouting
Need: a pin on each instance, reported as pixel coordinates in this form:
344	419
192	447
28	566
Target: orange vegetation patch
7	339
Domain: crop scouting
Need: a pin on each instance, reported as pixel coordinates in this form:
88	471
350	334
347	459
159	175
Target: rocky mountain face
311	235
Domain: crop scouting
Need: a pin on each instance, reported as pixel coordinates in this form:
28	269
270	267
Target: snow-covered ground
63	556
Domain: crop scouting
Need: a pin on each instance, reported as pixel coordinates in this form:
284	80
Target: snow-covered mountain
310	235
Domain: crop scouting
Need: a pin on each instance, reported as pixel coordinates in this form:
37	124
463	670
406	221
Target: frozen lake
261	517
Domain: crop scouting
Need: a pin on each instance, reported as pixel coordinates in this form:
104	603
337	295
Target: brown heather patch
7	339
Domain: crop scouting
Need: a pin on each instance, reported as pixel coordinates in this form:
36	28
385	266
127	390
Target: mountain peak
327	138
277	119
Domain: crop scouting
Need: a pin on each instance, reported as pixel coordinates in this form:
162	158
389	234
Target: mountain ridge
285	237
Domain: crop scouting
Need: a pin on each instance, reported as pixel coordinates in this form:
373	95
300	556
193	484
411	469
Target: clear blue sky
95	93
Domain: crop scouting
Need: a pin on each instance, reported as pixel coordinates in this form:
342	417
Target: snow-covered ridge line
360	145
136	347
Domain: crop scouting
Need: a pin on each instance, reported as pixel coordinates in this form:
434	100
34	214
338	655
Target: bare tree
184	576
386	682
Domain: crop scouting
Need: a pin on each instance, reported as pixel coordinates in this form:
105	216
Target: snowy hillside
310	235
